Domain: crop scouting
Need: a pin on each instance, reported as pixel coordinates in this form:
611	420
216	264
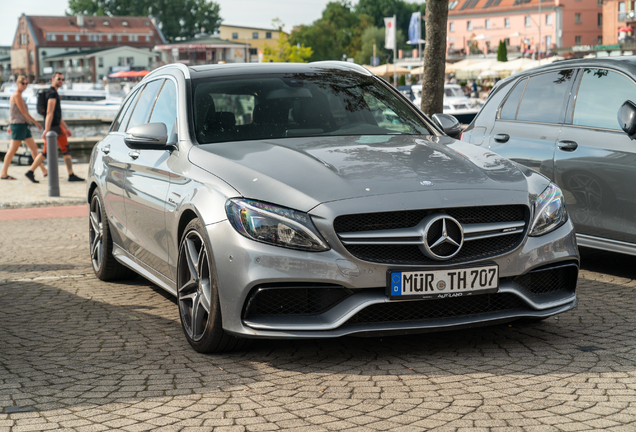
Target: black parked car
571	121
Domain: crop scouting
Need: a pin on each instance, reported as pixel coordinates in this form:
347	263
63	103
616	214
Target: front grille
423	310
410	218
411	254
549	280
296	300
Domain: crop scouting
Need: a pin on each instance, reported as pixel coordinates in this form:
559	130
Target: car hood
303	172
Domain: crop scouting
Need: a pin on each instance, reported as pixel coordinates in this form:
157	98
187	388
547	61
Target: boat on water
463	108
80	100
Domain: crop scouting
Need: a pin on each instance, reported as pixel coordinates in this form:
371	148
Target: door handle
502	138
106	149
133	154
567	145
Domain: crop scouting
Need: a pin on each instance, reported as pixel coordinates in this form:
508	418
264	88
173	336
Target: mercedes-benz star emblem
443	237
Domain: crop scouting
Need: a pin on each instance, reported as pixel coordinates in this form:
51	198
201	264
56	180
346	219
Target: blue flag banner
414	28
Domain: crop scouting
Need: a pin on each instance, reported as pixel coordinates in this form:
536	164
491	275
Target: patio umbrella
387	70
129	74
625	29
454	67
488	74
515	65
420	69
554	58
120	74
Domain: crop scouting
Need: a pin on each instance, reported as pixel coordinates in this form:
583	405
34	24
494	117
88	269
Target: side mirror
627	118
449	124
150	136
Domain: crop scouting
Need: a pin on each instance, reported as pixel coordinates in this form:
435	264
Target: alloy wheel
194	285
587	191
96	233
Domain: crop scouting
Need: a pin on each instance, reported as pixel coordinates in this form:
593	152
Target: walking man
55	122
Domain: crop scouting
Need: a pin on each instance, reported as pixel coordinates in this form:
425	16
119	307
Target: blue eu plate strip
396	284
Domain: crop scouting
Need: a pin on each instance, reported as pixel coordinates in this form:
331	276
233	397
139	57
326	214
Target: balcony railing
627	16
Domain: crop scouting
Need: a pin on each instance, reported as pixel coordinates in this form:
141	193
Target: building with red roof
40	37
525	25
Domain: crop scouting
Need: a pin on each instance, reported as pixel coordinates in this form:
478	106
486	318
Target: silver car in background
314	201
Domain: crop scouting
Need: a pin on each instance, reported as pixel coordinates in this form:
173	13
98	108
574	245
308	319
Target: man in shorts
55	122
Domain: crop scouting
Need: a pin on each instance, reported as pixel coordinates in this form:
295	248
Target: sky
253	13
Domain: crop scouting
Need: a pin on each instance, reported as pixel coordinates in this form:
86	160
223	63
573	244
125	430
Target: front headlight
549	211
278	226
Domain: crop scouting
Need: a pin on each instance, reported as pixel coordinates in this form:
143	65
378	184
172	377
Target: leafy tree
380	9
402	80
336	34
370	36
285	52
177	18
502	52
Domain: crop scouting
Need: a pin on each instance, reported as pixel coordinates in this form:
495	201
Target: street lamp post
540	41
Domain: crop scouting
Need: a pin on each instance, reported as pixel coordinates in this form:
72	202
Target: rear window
510	107
298	105
543	97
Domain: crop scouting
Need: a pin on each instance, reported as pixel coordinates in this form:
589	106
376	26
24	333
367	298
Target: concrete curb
43	203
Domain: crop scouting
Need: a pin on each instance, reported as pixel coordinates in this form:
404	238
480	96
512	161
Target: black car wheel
105	266
199	307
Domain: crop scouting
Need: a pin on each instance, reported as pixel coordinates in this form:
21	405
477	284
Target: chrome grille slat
414	235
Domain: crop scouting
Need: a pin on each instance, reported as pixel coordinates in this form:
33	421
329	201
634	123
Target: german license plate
455	282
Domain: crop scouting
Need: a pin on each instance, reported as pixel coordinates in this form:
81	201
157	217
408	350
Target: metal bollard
54	180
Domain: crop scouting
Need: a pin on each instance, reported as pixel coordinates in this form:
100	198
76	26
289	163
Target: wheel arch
186	216
91	189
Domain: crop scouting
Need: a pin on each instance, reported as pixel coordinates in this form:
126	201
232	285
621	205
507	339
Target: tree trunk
434	57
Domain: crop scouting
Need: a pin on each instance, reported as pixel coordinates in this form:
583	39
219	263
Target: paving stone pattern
83	355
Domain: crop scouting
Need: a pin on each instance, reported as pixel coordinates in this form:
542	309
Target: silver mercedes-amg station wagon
314	201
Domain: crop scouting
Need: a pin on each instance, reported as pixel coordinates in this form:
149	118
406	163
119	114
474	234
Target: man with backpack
49	106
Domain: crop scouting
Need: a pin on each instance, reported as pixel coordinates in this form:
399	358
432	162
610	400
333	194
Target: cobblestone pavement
83	355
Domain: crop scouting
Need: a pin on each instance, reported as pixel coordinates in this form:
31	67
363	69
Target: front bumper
245	267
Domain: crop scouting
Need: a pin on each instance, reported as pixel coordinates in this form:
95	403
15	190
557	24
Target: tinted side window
124	114
601	94
144	105
545	95
509	109
165	110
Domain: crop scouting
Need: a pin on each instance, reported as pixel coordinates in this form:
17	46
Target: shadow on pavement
611	263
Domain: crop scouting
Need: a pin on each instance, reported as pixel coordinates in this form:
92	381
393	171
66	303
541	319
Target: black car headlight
271	224
549	211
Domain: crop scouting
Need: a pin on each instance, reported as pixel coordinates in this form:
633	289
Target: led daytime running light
274	225
550	212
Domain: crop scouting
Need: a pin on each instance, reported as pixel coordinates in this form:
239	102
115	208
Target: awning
129	74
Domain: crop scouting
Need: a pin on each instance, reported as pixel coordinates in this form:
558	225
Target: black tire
197	295
105	266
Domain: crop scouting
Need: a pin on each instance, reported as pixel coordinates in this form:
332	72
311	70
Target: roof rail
184	68
348	65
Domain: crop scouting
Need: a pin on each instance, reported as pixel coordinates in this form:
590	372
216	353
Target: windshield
332	103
